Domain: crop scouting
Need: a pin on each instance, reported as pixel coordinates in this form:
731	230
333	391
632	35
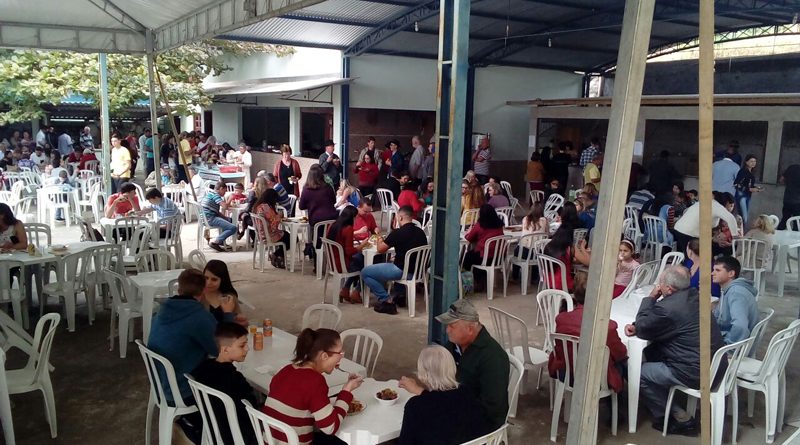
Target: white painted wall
304	62
509	126
227	122
398	83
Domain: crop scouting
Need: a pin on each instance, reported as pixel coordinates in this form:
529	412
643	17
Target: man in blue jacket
737	311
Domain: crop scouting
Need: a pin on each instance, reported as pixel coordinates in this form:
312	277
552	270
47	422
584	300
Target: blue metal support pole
469	113
451	117
105	125
344	102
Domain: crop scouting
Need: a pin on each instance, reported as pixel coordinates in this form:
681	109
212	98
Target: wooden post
105	124
705	158
150	58
632	59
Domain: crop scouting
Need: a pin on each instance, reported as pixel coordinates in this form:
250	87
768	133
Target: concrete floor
101	399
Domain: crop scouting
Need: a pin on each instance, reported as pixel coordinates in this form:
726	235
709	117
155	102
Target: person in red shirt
560	248
341	231
408	197
570	323
364	224
123	202
487	226
367	174
88	155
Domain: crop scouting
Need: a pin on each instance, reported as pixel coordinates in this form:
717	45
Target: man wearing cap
330	163
483	364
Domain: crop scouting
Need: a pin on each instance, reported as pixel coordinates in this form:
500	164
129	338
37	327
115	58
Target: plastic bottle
267	327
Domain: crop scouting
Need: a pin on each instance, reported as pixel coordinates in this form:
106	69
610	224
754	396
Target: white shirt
39	159
65	144
40	138
689	223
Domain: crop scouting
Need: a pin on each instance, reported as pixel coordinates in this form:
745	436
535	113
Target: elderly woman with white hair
443	413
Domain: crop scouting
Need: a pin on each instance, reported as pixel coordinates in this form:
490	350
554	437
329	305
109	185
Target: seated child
221	374
237	196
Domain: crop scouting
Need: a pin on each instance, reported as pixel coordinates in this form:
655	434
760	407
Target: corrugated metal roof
301	33
357	10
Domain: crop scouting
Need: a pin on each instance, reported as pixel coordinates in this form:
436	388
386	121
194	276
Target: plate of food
58	248
356	407
386	396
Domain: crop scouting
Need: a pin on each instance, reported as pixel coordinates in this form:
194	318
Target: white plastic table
623	311
377	423
150	284
294	226
784	241
260	366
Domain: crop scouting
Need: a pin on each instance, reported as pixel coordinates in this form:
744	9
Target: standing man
184	155
330	163
559	164
245	161
791	194
589	152
146	142
65	144
428	163
483	365
86	140
397	163
480	160
737	311
120	163
51	140
591	173
41	136
417	158
376	152
670	319
723	174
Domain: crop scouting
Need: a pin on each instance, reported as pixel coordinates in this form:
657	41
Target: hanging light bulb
416	26
549	42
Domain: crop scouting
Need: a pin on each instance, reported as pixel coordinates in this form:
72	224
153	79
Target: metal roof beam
330	20
221	17
70	38
280	42
393	26
118	14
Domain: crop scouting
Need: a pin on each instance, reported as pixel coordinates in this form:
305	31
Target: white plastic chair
197	259
734	353
55	198
104	257
757	333
334	257
415	270
212	433
22	210
579	235
645	274
202	225
38	234
750	253
172	236
5	404
92	165
496	437
262	423
525	258
35	376
320	230
263	242
548	306
768	376
71	273
329	316
138	241
498	261
388	205
547	272
656	238
11	295
155	260
553	204
512	334
124	305
463	248
157	366
670	259
366	348
427	215
516	371
468	218
290	206
508	212
567	343
536	196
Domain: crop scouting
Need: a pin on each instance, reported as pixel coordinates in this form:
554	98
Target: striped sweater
299	398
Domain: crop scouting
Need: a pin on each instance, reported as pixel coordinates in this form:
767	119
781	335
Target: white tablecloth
377	423
150	284
260	366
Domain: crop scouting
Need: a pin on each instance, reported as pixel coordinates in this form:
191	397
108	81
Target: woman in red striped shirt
298	394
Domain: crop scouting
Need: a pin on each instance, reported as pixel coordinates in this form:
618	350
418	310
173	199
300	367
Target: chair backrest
105	255
569	348
734	352
197	259
320	229
578	235
212	433
38	234
645	274
496	437
507	211
230	186
366	348
670	259
385	198
39	359
468	218
291	205
505	185
87	232
417	262
329	316
92	165
550	302
22	209
547	272
527	241
334	256
539	245
516	371
757	333
7	279
537	196
85	174
139	192
774	219
510	332
172	226
138	239
76	265
778	351
262	423
750	253
154	260
54	194
427	215
119	287
793	224
495	251
158	368
655	229
554	202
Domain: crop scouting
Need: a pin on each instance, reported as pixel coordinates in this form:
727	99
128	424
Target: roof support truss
118	14
71	38
393	26
221	17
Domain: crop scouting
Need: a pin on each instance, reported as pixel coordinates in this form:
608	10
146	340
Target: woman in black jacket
745	185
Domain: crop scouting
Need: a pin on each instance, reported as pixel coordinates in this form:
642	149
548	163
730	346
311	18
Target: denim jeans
151	165
356	264
743	202
227	228
376	275
657	378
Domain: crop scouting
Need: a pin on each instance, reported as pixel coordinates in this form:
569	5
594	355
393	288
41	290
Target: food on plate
355	407
386	394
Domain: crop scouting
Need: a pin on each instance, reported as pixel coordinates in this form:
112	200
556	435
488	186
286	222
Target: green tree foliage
30	79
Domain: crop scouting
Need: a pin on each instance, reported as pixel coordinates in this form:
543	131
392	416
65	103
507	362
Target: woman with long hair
534	221
318	201
426	191
219	296
368	173
568	217
287	170
745	185
342	232
12	231
266	207
487	226
298	393
560	248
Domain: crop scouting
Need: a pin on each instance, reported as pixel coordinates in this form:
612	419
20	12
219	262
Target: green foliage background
32	78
